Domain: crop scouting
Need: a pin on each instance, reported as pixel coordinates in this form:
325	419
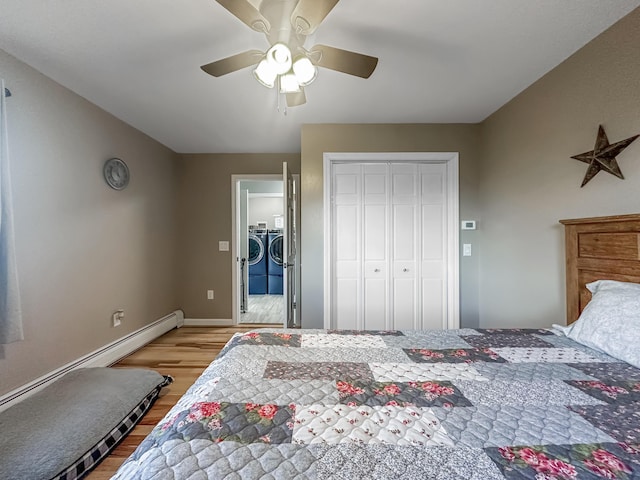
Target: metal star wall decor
603	156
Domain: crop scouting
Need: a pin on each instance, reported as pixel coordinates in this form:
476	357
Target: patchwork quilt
458	404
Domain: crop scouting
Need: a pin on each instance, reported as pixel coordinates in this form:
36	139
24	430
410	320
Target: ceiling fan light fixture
265	74
304	71
279	58
289	83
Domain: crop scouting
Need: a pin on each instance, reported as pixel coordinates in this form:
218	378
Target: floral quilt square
278	339
238	422
610	392
317	370
419	394
394	333
364	425
620	421
568	462
459	355
506	340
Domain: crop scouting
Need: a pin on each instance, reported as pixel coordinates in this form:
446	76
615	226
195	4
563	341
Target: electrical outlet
117	317
209	294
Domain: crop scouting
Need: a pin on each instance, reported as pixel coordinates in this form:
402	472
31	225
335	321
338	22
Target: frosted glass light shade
265	74
304	71
289	83
279	58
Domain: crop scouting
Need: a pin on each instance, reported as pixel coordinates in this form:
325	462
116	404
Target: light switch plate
466	250
223	246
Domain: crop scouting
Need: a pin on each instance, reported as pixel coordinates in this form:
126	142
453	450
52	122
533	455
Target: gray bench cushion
68	427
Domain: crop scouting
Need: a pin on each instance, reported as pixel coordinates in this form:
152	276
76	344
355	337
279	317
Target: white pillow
610	322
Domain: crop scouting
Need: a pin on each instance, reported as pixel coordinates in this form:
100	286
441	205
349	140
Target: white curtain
10	312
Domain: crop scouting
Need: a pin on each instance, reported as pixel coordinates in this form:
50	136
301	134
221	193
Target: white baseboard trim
208	322
103	357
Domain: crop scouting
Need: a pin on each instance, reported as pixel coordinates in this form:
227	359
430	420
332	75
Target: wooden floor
183	353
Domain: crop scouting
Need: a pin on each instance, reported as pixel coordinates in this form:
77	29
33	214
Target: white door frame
451	159
235	236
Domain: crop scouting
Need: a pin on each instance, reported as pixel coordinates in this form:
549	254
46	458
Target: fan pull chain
280	95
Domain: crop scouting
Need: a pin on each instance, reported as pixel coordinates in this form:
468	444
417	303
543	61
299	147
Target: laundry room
262	285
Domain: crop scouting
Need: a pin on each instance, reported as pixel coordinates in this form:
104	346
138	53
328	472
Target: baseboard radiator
103	357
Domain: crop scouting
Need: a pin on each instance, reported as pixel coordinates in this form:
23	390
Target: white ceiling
441	61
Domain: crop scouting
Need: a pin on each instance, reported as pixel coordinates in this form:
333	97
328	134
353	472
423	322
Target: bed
557	403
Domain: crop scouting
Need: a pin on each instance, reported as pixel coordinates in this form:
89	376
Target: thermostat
468	225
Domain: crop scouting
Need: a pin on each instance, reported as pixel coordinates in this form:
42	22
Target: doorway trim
451	160
235	235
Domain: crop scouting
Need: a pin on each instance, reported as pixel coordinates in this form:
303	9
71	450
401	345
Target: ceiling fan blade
308	14
343	61
233	63
247	13
297	98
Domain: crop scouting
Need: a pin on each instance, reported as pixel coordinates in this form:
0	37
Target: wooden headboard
599	248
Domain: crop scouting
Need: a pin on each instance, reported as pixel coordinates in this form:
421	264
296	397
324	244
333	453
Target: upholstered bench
67	428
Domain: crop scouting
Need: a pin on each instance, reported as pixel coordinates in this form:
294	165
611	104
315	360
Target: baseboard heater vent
103	357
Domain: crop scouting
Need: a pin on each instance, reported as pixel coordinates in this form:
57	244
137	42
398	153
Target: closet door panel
433	232
432	249
375	301
375	245
347	218
375	267
375	231
404	249
404	304
345	304
432	305
404	233
404	185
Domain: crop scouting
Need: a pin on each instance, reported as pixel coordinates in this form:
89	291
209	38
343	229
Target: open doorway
262	294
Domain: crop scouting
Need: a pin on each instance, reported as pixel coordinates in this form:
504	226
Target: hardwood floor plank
183	353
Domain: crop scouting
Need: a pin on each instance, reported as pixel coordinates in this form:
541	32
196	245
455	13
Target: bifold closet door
388	246
360	246
346	284
375	247
404	229
433	246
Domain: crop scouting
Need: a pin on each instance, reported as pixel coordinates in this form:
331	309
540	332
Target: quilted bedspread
457	404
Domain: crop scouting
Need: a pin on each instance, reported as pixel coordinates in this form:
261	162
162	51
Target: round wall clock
116	173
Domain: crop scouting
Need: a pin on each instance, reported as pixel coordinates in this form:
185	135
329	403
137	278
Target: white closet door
375	246
434	242
404	246
347	223
389	246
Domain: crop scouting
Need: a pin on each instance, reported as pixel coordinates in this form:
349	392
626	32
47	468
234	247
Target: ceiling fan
287	65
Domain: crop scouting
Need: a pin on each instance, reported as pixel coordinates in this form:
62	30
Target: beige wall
317	139
205	217
528	180
83	249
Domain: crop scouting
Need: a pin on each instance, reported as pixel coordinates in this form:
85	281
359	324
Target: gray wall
205	217
83	249
528	181
317	139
